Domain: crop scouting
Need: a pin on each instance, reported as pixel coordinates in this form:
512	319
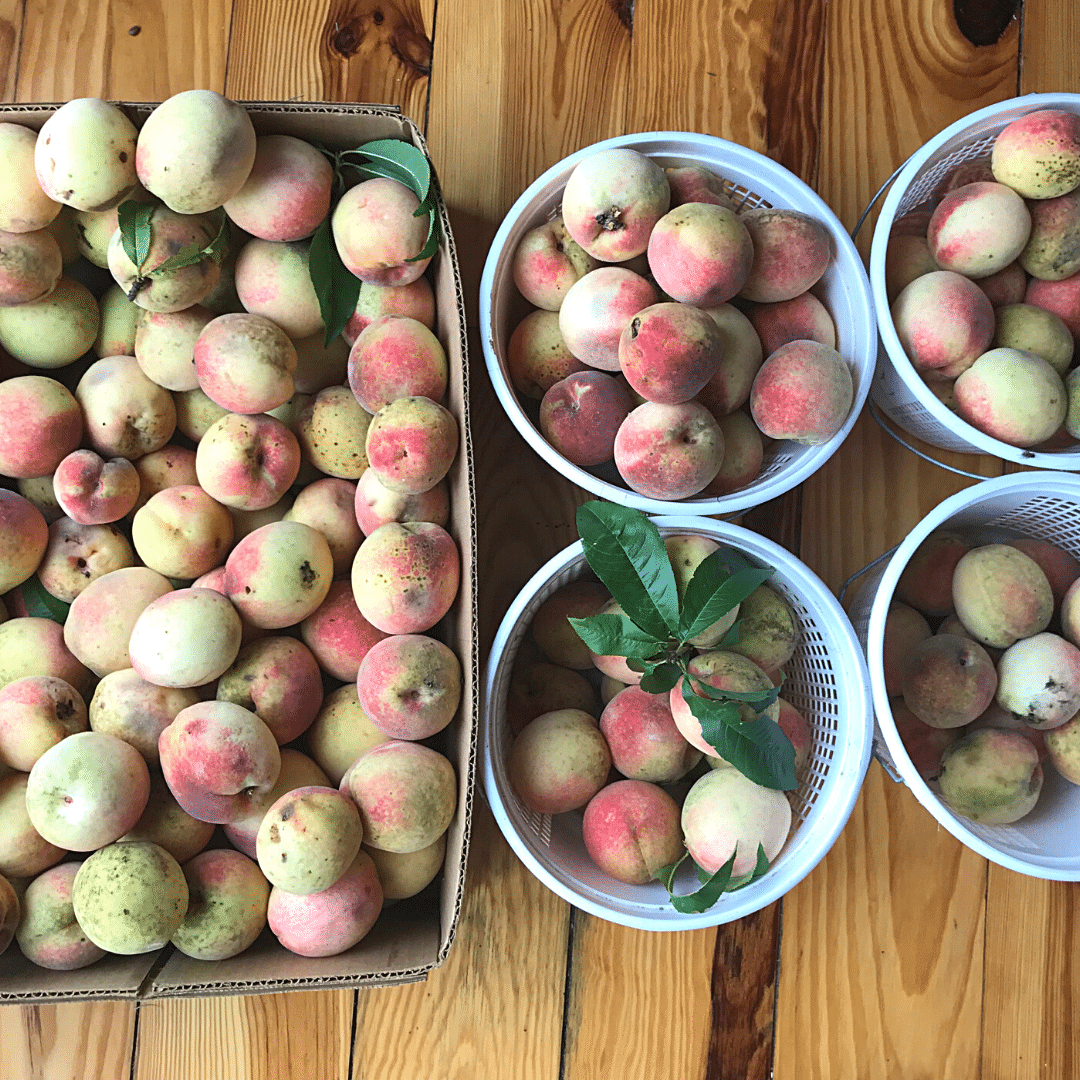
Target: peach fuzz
1006	286
414	301
328	507
244	363
411	444
126	415
726	814
24	207
164	346
36	713
31	646
700	254
803	392
581	414
92	491
906	258
217	757
406	794
127	706
693	184
30	266
557	639
1053	249
547	261
1038	154
537	356
1039	680
1001	595
948	681
631	829
730	387
597	308
331	921
645	744
196	413
376	233
558	762
924	744
171	466
992	777
54	331
791	253
744	453
802	318
396	357
1035	330
377	505
24	852
979	229
273	281
669	451
247	462
24	536
926	581
904	629
1060	297
182	532
48	934
286	194
405	577
537	688
342	733
279	574
612	200
1060	566
338	635
332	430
278	679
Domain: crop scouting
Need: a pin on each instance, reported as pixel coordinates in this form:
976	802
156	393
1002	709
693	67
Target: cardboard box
412	936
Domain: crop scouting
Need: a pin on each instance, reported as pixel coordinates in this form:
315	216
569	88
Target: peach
171	466
328	506
948	681
537	356
924	744
165	346
39	493
967	172
87	791
693	184
1001	595
1034	330
1039	679
803	392
906	258
595	310
415	301
247	462
396	357
1038	154
726	814
319	365
1053	249
1060	297
701	254
405	874
338	635
686	552
94	230
30	646
631	829
10	912
547	261
744	453
791	251
126	415
1070	614
1063	749
1013	396
557	639
333	432
130	898
614	666
24	538
804	317
944	321
669	451
196	413
768	629
331	921
376	234
342	732
581	414
92	491
226	912
409	686
904	629
127	706
49	935
54	331
24	207
377	505
286	194
36	713
244	363
30	266
644	741
991	777
165	823
537	688
730	387
273	281
182	532
217	758
926	581
978	229
611	202
1006	286
24	852
118	320
797	728
411	444
1060	566
278	679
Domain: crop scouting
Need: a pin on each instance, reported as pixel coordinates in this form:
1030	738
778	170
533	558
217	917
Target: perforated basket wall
826	681
1045	506
752	180
898	389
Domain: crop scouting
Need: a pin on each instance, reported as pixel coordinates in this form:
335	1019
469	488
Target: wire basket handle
872	408
873	202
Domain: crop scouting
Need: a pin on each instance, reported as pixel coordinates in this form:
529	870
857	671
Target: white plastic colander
1045	506
752	180
826	681
898	389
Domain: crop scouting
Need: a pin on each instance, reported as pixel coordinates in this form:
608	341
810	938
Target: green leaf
636	664
760	867
666	874
196	253
431	244
732	636
713	886
721	581
760	699
335	285
661	679
626	553
615	635
133	219
40	603
397	160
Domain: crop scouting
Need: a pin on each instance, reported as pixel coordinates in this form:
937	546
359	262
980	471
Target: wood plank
1051	63
264	1037
11	18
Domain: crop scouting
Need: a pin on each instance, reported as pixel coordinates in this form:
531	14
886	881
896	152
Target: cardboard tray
413	936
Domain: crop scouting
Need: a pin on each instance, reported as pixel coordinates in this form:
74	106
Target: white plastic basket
752	180
1045	506
898	389
826	681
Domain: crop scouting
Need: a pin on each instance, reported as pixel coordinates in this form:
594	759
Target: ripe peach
182	532
1001	595
169	467
377	505
924	744
328	506
338	635
41	425
278	679
631	829
693	184
196	413
127	706
165	346
247	462
1039	679
611	202
595	310
926	582
117	323
537	688
1060	297
48	934
669	451
644	741
687	552
979	229
342	732
92	491
333	431
396	357
1006	286
1034	330
24	536
319	365
1060	566
1063	749
286	194
768	629
730	387
273	281
557	639
1053	249
165	823
906	258
405	874
948	681
376	233
791	252
581	414
804	317
36	713
30	266
126	415
1038	154
744	452
411	444
547	261
904	629
53	331
24	207
415	301
537	356
1070	614
991	777
24	852
803	392
245	363
31	646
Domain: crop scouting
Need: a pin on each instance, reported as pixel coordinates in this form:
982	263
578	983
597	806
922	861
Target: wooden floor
903	954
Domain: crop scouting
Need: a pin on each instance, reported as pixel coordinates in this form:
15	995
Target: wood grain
1051	63
11	18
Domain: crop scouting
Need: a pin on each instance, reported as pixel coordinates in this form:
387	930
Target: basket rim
810	459
875	640
895	353
818	831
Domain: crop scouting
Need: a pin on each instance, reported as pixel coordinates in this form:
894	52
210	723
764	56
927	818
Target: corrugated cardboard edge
171	974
